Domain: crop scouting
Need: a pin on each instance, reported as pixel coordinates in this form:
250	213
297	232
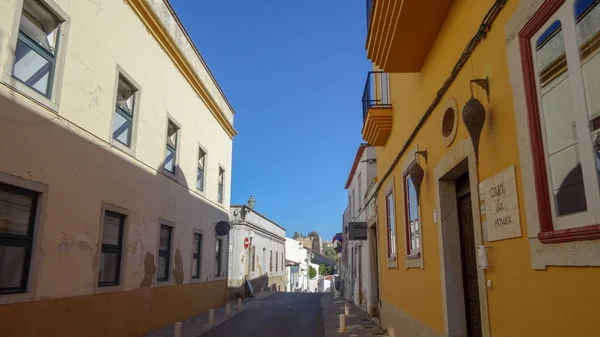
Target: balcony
401	32
377	109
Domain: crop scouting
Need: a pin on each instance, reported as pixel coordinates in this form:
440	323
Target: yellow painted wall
559	301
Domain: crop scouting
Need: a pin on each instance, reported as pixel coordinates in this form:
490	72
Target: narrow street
283	314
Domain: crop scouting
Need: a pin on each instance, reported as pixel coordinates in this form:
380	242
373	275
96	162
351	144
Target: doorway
468	256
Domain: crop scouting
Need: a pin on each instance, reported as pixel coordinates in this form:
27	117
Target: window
271	261
201	165
411	209
276	261
112	247
171	155
253	257
221	181
35	52
282	262
164	253
197	249
17	217
562	86
391	225
353	208
123	120
360	195
218	250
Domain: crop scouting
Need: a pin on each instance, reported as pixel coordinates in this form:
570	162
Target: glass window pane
43	34
109	267
200	180
567	182
121	129
559	123
15	212
195	270
170	161
165	238
163	265
12	262
196	243
112	229
172	135
31	68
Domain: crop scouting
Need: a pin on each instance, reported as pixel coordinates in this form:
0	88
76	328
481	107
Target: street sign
246	243
357	230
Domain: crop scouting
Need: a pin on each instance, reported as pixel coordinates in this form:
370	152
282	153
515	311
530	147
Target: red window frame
547	232
387	220
407	220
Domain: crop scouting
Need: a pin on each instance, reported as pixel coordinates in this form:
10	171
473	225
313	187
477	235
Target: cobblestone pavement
358	323
198	325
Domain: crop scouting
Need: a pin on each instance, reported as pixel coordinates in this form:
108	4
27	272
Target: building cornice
155	26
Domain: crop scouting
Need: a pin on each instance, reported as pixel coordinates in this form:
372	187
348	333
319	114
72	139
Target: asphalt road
282	314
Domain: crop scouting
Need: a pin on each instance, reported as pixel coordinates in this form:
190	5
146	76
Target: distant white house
296	261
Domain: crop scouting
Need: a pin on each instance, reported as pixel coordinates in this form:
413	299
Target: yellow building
490	230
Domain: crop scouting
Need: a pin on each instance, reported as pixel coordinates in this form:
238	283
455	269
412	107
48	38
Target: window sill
571	234
16	298
123	148
392	263
414	256
30	93
108	289
169	174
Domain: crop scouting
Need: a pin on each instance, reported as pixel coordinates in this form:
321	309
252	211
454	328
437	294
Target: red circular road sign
246	243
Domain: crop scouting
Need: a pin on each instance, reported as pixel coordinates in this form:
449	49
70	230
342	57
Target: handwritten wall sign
499	204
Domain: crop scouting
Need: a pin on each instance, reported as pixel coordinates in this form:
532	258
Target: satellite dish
222	228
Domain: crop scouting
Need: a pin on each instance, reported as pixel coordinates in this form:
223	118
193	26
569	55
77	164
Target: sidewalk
358	323
198	325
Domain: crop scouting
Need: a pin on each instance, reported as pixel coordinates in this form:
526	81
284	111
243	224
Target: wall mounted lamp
417	173
473	114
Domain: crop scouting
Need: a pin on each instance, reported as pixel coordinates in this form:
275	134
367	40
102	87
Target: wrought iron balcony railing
377	92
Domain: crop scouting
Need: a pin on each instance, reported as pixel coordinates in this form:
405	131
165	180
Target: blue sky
294	71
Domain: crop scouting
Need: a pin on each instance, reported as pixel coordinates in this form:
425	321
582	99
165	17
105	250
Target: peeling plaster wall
266	236
69	152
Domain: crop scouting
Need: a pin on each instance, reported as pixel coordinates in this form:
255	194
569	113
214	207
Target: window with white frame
36	50
391	224
221	184
18	208
171	151
218	257
411	208
112	249
123	119
196	256
566	65
360	193
201	165
164	253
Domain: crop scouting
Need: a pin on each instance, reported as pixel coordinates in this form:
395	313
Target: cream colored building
116	164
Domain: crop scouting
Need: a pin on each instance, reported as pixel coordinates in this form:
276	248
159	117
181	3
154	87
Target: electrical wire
481	34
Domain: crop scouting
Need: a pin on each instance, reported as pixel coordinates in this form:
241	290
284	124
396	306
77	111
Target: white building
256	252
359	284
296	259
116	165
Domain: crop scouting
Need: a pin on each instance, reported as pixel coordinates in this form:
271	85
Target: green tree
313	234
330	253
312	272
296	235
323	270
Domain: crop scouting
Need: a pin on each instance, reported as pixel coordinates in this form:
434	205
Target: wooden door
468	257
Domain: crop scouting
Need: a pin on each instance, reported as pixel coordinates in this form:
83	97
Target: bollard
227	308
177	329
342	323
239	304
391	331
347	309
211	316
